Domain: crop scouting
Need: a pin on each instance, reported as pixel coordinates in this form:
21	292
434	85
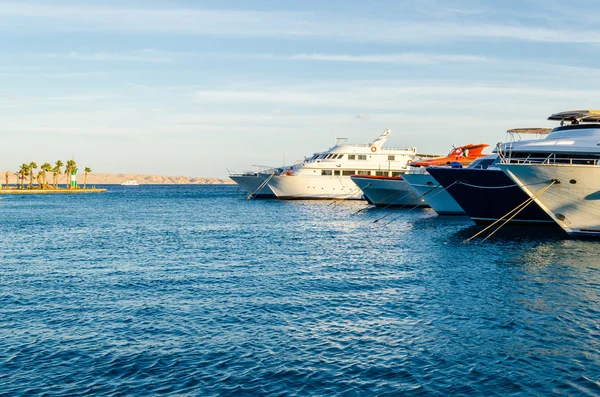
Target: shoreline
51	191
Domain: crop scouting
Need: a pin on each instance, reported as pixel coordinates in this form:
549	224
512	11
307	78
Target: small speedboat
130	183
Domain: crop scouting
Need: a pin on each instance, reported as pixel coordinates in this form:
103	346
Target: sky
200	88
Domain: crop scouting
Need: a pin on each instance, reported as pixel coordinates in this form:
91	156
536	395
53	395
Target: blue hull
488	195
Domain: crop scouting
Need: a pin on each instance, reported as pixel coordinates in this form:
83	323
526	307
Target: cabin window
363	172
339	156
362	156
396	173
336	172
326	172
351	157
381	173
348	172
391	158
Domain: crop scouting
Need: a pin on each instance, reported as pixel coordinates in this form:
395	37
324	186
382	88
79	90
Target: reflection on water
190	290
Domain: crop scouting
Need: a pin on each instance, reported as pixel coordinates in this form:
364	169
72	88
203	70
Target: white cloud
132	56
136	85
406	58
391	95
39	17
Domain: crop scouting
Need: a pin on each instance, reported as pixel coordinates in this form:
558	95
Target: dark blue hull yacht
487	195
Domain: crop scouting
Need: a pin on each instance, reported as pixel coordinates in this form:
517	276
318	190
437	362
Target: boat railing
403	149
551	159
266	169
418	170
428	155
257	169
383	149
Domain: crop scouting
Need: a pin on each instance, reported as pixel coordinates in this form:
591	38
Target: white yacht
130	183
326	175
561	173
255	183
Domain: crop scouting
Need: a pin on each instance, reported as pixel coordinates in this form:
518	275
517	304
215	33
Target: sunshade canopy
541	131
589	116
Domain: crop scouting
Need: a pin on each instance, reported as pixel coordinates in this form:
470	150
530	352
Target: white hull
307	187
250	183
389	192
434	194
574	203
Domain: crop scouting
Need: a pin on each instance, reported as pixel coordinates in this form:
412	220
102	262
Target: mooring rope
486	187
404	206
416	206
260	187
515	211
348	195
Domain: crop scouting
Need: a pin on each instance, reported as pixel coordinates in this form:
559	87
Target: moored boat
561	174
426	187
485	193
388	191
253	183
433	193
326	175
397	191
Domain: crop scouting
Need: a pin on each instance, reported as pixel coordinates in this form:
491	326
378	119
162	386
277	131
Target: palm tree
68	168
57	172
87	171
6	178
32	166
45	168
23	172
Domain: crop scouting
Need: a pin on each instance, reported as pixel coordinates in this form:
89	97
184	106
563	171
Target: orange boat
462	154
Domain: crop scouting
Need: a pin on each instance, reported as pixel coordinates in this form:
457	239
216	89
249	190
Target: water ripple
192	291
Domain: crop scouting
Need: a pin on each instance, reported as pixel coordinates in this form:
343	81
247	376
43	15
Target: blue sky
196	87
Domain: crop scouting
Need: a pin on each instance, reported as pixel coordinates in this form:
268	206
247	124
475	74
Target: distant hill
144	179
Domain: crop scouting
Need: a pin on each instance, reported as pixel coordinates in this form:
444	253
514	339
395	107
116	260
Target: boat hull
307	187
434	194
250	183
487	195
574	203
388	191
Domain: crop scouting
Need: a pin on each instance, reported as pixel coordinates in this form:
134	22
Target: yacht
326	175
396	190
130	183
561	173
255	183
484	192
432	192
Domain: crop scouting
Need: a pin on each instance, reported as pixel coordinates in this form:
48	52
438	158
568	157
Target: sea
196	291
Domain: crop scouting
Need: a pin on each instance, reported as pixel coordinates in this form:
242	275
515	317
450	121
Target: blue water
193	291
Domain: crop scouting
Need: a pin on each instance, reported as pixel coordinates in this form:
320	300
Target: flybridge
374	146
